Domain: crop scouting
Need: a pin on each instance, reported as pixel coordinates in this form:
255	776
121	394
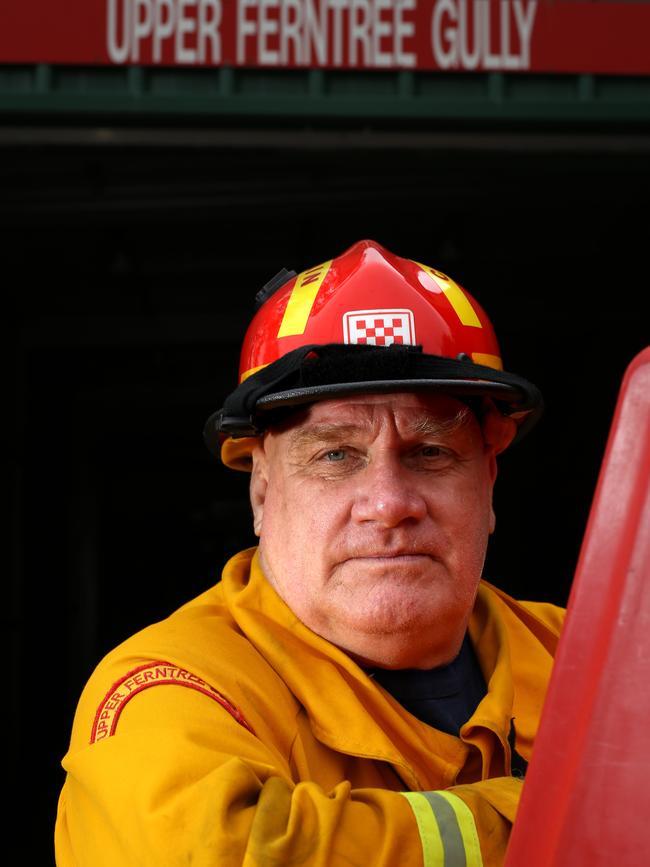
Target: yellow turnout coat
231	734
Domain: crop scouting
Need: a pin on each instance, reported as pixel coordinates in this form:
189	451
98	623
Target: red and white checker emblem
379	327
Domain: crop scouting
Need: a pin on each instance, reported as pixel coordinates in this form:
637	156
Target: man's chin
415	644
392	613
391	625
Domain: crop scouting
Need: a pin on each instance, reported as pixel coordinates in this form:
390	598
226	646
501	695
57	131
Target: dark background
129	275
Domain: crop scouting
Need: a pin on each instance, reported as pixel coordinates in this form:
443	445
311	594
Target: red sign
572	36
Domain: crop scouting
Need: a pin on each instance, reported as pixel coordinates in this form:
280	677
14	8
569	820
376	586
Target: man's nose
386	494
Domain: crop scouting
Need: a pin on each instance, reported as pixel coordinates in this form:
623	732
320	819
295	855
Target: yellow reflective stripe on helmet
250	372
447	829
488	360
302	300
455	295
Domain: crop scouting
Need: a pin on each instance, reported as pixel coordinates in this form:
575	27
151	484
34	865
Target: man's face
373	514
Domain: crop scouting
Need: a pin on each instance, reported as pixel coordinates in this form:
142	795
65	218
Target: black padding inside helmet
315	372
336	363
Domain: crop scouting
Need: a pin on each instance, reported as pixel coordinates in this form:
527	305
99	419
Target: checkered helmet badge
379	327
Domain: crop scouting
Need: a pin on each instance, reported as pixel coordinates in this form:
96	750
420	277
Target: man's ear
258	486
498	430
498	433
493	519
492	468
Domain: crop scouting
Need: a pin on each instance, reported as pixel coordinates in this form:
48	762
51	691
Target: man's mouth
392	557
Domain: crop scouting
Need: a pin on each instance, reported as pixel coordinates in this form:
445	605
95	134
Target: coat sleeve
181	781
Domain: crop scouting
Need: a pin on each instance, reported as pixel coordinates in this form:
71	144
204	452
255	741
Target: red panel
597	36
586	800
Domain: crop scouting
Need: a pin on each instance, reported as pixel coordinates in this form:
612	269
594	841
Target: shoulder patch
143	677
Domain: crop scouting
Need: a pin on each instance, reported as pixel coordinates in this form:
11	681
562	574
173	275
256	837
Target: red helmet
367	321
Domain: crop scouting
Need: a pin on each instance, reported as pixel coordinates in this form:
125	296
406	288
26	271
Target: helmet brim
315	374
297	396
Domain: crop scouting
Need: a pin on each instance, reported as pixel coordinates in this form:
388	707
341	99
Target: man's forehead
407	408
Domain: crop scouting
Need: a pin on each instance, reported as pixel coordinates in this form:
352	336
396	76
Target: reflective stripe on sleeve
433	852
447	829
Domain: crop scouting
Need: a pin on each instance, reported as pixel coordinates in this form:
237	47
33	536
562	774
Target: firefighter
351	692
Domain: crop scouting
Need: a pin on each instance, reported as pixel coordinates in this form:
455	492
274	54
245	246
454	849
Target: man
350	693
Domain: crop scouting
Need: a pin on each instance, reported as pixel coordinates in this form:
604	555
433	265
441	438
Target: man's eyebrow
434	426
426	425
318	433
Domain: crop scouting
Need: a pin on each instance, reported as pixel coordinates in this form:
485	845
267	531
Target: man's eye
335	455
431	451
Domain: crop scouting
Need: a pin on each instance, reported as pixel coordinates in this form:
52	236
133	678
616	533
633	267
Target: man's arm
181	781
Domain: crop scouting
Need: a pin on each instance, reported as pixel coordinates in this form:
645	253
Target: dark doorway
131	277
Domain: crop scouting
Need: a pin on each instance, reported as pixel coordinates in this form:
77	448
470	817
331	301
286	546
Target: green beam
316	93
